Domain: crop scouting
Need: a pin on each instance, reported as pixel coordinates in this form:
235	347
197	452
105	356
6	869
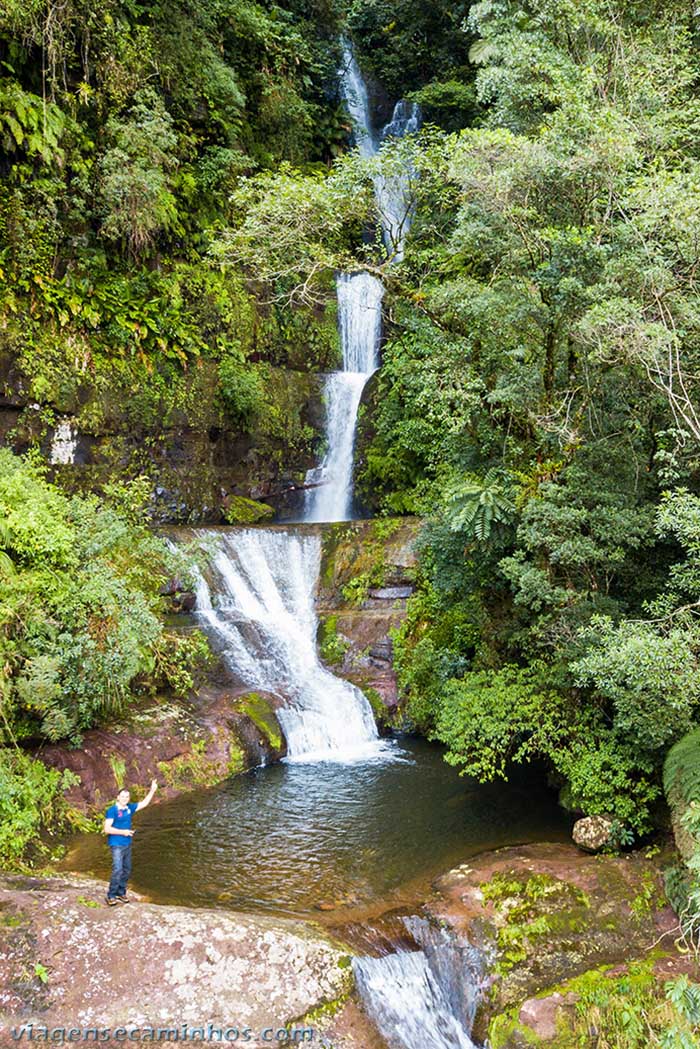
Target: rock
186	601
547	913
164	740
391	593
592	833
541	1014
152	965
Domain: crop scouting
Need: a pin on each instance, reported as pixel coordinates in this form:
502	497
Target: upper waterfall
359	304
360	325
259	603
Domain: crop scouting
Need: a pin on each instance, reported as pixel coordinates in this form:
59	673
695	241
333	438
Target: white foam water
63	444
426	997
360	322
258	605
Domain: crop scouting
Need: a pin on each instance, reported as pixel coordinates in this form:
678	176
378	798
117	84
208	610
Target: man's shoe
111	901
122	899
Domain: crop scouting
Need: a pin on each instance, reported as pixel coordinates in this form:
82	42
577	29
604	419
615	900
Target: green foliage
404	42
32	802
80	597
475	507
136	195
331	645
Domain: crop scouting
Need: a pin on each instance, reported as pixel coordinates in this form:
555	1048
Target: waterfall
258	607
359	306
392	191
359	322
425	997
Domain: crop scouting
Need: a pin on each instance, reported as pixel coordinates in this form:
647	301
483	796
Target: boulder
68	960
592	833
542	1015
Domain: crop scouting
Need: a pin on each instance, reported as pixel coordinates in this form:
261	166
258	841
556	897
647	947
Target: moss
191	770
236	759
529	911
258	709
506	1027
246	511
331	645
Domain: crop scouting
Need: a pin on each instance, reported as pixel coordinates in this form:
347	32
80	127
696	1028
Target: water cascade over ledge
425	997
359	306
257	604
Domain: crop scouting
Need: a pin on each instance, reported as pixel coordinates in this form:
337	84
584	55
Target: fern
476	506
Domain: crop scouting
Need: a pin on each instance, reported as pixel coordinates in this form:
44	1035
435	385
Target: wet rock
391	593
183	745
592	833
187	965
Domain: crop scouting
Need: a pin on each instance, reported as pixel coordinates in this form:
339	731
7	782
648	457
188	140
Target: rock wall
184	745
198	458
367	576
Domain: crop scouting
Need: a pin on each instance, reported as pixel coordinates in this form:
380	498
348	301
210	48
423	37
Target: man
119	834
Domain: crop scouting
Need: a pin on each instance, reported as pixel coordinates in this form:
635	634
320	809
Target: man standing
119	834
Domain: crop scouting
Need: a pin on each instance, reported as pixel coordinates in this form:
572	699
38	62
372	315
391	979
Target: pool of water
293	838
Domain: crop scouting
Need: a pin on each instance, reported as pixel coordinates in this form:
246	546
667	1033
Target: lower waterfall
258	605
426	997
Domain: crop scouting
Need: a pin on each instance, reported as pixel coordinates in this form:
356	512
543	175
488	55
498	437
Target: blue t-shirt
122	821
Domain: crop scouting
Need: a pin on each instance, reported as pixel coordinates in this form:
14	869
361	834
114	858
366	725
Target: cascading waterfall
259	606
360	324
359	306
425	997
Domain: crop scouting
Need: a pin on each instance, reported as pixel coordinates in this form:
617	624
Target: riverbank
550	922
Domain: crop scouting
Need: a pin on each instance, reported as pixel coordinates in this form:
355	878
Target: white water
392	190
423	998
63	444
360	324
259	606
359	306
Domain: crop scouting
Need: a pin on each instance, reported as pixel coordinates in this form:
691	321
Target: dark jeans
121	869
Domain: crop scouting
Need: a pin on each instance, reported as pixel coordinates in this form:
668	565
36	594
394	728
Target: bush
81	627
32	804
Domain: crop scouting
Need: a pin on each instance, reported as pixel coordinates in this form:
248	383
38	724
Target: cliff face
201	461
367	576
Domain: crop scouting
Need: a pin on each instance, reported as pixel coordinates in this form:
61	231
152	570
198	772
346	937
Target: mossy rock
331	644
247	511
261	713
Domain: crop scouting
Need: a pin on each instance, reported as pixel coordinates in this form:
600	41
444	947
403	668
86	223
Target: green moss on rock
260	712
246	511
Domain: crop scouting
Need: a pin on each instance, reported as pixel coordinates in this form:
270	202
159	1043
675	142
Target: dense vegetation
537	400
178	186
81	631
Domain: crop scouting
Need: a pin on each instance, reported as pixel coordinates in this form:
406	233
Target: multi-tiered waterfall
257	599
359	305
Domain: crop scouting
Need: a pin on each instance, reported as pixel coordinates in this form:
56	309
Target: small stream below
293	838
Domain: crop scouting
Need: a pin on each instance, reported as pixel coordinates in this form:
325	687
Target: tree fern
476	506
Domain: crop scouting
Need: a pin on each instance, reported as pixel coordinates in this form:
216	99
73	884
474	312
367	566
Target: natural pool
292	837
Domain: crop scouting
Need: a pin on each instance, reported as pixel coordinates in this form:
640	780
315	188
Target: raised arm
149	797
